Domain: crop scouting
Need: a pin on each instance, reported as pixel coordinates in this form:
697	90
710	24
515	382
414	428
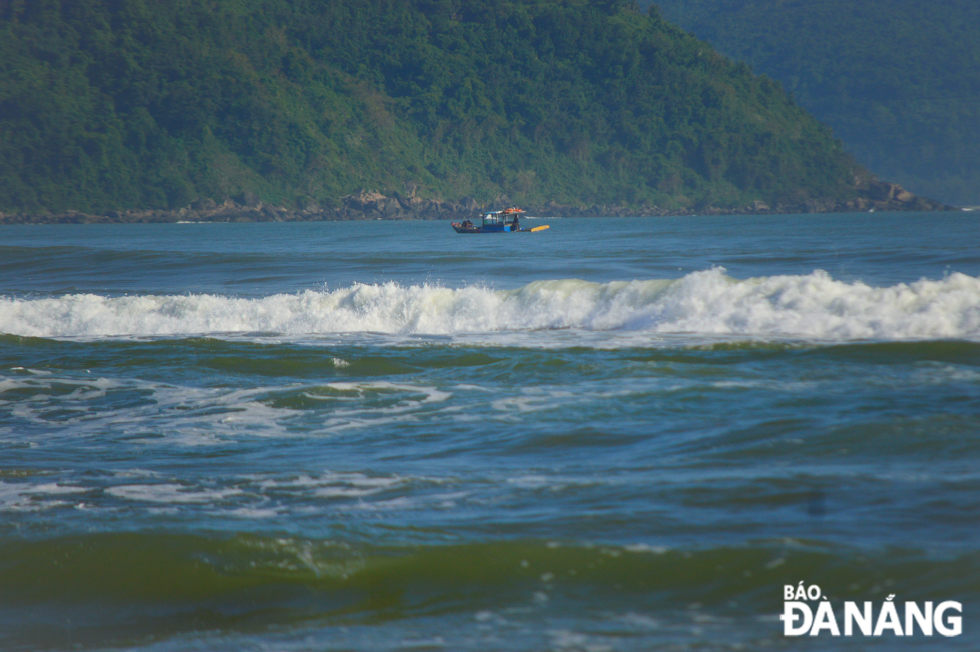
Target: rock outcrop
372	205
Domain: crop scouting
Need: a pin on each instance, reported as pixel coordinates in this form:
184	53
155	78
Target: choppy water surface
613	435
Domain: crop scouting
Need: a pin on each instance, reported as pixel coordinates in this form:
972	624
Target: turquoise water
617	434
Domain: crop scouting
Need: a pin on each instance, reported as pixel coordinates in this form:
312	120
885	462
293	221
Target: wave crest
813	306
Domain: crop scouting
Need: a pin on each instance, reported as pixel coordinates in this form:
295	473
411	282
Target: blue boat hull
490	228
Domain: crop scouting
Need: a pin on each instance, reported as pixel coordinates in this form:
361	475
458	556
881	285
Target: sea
613	434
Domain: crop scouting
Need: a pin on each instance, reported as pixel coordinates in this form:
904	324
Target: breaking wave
814	306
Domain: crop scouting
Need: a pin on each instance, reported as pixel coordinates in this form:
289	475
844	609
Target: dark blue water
612	435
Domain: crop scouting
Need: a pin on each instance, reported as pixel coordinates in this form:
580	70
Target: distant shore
369	205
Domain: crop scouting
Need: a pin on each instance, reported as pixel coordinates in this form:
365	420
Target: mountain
897	80
155	104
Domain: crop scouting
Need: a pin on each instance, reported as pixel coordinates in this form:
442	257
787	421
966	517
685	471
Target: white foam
24	497
431	394
170	493
191	416
343	486
706	303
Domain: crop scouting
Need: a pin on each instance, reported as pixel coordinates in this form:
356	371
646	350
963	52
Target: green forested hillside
897	80
109	104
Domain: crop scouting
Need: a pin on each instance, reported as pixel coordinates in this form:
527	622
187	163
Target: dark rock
501	202
392	207
226	207
404	200
247	198
904	196
883	191
815	206
206	204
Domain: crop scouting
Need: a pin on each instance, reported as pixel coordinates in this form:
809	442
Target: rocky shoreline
370	205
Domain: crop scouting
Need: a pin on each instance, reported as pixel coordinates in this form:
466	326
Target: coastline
372	205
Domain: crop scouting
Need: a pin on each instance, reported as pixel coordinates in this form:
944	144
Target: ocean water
618	434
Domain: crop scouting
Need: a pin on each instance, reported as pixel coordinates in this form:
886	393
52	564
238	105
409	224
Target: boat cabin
500	221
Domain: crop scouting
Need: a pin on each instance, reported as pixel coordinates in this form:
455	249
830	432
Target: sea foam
814	306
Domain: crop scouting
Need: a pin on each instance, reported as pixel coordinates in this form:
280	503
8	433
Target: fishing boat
505	221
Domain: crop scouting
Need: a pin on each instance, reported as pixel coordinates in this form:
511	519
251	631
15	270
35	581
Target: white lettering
790	616
852	616
825	619
799	617
955	627
888	619
912	612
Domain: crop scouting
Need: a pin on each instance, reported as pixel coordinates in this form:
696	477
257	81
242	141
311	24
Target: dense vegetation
897	80
108	104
